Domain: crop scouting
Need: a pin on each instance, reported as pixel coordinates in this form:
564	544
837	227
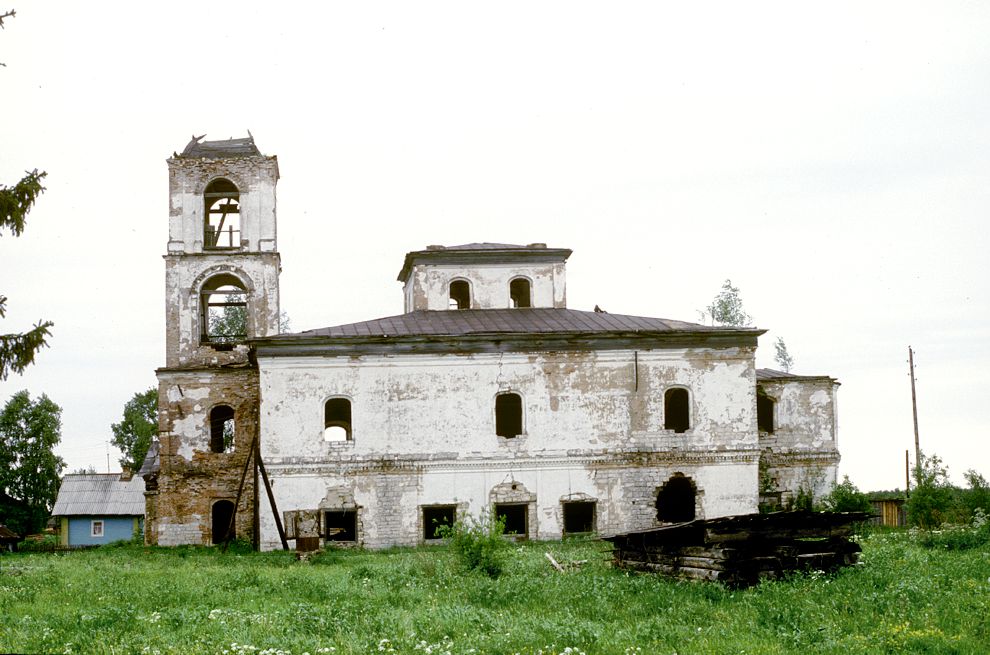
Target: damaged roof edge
498	342
473	255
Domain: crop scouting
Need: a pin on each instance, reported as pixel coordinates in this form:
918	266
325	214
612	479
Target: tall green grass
903	598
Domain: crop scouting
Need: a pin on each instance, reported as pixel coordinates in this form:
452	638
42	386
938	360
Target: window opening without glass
224	310
222	429
579	516
515	517
764	413
508	415
340	525
460	295
222	228
337	420
519	293
435	517
676	416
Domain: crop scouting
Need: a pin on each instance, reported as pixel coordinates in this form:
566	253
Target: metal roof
465	322
772	374
482	253
99	494
243	147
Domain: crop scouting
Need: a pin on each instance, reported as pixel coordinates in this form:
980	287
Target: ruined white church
487	393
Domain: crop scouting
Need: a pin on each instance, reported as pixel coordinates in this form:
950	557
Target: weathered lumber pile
741	550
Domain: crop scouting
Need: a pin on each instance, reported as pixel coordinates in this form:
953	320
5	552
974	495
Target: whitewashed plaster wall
184	279
255	179
805	414
423	430
428	286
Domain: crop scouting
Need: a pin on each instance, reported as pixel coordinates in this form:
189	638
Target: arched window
460	295
223	310
222	209
764	412
519	292
222	429
221	515
676	499
676	413
508	415
337	420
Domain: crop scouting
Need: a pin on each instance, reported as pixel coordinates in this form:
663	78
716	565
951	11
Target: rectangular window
515	517
579	517
340	525
96	528
436	517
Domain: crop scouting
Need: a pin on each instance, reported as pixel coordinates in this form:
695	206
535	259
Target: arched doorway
676	500
223	510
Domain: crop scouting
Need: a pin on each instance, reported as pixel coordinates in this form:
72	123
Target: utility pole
914	409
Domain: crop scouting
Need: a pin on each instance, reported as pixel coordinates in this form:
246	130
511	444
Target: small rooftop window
519	292
460	295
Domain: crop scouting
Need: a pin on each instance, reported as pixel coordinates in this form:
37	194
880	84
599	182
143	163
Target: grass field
903	598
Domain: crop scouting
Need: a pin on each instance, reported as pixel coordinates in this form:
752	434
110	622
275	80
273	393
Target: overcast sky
832	159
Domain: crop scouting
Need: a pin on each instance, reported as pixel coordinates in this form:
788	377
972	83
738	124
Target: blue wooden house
99	508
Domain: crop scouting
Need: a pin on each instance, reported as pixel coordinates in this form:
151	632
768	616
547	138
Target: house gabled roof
96	494
479	330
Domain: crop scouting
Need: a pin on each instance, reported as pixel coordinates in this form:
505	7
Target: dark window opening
222	228
519	293
579	517
675	501
223	511
676	416
341	525
508	415
337	420
223	313
222	429
764	413
434	518
515	517
460	295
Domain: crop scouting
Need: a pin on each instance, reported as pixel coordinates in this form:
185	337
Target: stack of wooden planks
741	550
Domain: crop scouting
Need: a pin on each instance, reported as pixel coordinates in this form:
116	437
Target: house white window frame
97	528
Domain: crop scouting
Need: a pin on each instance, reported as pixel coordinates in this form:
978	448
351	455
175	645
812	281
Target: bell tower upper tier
222	262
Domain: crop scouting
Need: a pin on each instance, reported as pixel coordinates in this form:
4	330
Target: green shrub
931	500
961	537
846	497
478	542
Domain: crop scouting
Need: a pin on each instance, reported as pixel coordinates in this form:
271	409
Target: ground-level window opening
435	517
515	517
519	293
337	420
222	429
676	500
508	415
460	295
222	512
676	415
340	525
764	413
96	529
579	517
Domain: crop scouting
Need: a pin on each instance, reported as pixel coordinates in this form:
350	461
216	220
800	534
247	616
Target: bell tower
222	264
221	289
